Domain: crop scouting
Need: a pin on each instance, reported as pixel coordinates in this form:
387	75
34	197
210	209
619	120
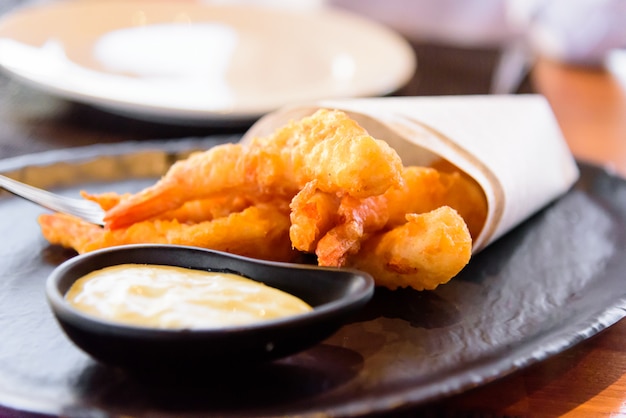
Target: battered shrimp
313	214
335	150
319	185
358	217
70	232
426	251
200	210
425	189
328	147
259	231
224	169
334	231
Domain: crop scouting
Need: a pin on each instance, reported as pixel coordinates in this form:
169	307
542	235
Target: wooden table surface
588	380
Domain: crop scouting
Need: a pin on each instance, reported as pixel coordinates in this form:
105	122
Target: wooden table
588	380
590	105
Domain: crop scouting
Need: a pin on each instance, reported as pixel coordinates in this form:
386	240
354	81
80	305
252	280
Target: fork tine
85	209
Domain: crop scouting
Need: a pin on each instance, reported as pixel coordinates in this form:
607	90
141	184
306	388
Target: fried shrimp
328	147
201	210
426	251
313	214
262	232
70	232
357	218
227	168
425	189
332	148
320	185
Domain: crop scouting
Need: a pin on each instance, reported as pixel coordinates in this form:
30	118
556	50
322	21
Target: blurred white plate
193	63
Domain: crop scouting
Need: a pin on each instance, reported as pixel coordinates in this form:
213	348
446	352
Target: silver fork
84	209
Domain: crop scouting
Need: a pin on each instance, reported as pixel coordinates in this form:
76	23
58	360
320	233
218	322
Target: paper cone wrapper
511	145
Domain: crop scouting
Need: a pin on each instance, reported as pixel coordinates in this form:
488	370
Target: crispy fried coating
333	149
319	185
69	231
425	189
105	200
426	251
313	214
328	147
261	232
201	210
466	196
357	218
224	169
195	211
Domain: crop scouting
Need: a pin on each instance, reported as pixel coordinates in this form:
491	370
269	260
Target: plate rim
604	317
398	45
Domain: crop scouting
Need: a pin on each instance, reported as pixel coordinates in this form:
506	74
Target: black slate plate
552	282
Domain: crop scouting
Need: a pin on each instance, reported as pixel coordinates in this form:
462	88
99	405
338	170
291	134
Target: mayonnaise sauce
175	297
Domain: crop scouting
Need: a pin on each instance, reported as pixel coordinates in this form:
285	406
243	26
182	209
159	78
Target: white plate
194	63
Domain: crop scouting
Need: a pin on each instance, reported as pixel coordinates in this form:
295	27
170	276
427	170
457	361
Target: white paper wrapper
511	145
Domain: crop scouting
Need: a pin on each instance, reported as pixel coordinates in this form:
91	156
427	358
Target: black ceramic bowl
335	295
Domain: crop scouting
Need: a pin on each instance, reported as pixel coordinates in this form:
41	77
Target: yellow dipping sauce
175	297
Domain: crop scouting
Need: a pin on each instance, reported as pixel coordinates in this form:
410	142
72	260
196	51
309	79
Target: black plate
547	285
335	295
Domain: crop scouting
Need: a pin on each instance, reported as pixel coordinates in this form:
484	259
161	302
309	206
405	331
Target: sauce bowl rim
359	294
